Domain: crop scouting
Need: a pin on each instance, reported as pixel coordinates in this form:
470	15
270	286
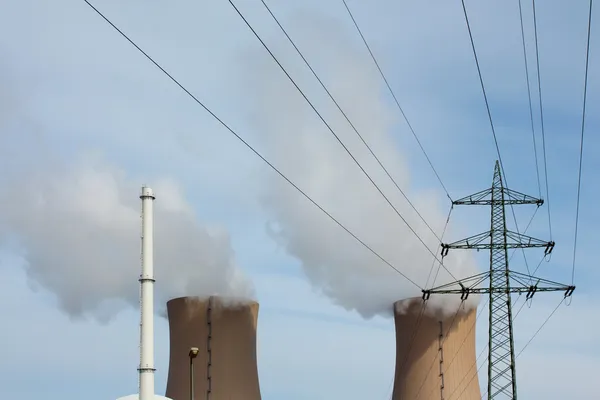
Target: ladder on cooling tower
441	351
209	349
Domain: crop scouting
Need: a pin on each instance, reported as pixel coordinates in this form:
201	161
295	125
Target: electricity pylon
502	281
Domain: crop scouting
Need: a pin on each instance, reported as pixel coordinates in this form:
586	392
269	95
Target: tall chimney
440	362
146	367
224	332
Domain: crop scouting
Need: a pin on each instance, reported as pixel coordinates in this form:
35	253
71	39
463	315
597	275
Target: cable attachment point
569	291
464	292
549	248
540	202
426	294
445	249
531	292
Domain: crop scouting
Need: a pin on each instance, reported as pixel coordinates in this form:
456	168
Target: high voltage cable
587	59
441	240
395	98
347	118
539	82
334	134
249	146
540	328
537	166
489	114
487	104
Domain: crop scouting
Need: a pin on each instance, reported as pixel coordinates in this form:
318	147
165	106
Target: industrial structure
212	349
434	353
502	282
146	367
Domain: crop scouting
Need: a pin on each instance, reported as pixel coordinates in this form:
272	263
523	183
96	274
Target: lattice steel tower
503	282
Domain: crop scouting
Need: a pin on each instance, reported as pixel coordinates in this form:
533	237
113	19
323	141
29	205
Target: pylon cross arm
474	285
509	196
482	241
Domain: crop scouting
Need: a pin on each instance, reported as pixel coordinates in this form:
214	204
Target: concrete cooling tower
224	332
440	362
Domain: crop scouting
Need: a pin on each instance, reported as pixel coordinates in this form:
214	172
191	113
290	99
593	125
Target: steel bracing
501	281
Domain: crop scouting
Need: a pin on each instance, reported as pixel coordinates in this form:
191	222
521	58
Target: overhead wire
537	167
393	94
587	59
540	328
542	119
539	82
493	129
487	105
361	137
250	147
435	260
333	133
544	256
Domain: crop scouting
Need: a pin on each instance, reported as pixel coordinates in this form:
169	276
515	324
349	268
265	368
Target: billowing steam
79	228
80	232
308	153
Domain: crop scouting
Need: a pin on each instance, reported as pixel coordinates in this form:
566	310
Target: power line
395	98
539	81
525	232
347	118
441	241
489	114
487	104
587	59
248	145
537	167
540	328
333	132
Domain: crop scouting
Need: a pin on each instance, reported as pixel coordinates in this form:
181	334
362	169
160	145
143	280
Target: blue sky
78	106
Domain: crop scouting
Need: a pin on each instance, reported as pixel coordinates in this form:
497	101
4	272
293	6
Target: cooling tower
441	361
224	331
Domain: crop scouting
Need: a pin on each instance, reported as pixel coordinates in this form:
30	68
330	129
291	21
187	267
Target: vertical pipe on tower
146	368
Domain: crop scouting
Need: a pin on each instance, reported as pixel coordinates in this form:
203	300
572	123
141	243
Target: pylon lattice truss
502	282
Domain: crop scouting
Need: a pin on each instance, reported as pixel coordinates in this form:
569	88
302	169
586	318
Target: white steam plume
298	141
80	232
